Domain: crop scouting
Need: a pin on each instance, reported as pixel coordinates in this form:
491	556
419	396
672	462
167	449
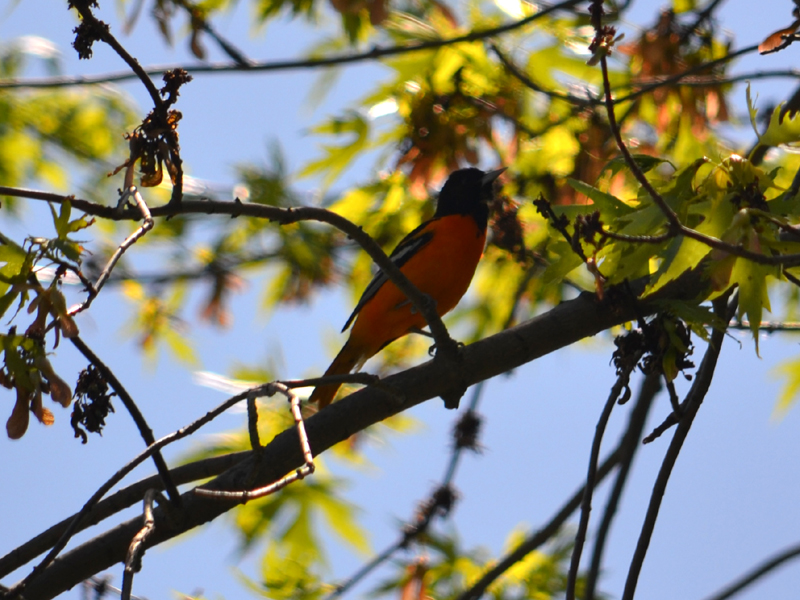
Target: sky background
732	499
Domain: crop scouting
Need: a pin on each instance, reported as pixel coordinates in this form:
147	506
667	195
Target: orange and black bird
439	257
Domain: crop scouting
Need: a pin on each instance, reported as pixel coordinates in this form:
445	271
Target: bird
439	257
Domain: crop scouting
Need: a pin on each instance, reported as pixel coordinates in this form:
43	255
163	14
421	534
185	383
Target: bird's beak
489	177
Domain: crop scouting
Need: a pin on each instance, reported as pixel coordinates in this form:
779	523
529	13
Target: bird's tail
348	359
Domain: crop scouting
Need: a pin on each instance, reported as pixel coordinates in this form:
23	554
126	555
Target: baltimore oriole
439	257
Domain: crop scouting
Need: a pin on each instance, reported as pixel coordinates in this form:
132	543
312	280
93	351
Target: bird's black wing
408	247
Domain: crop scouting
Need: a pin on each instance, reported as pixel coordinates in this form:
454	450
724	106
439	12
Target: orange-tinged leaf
59	390
778	40
719	272
414	587
44	415
17	423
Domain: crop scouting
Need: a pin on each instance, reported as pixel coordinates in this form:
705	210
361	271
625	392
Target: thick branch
113	504
560	327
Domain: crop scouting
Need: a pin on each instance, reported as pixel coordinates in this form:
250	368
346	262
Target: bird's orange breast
443	269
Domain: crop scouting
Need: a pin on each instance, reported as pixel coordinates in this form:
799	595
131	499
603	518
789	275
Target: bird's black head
468	192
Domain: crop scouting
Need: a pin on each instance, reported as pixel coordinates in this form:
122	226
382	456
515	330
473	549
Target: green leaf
563	260
61	221
751	111
340	516
753	296
781	129
180	347
645	162
16	366
789	371
608	205
337	159
696	316
683	254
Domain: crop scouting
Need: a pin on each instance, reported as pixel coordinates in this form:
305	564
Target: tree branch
757	573
102	31
586	504
198	19
650	387
693	401
422	302
560	327
113	504
372	54
133	410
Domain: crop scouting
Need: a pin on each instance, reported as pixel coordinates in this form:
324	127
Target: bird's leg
420	331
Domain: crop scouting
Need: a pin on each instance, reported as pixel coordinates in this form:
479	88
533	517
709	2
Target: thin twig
757	573
421	302
227	47
712	80
372	54
133	410
692	402
671	215
210	270
538	538
100	586
586	505
638	239
300	473
702	16
791	278
286	216
102	30
629	446
93	291
677	409
529	83
133	561
365	570
362	378
116	478
660	82
766	326
650	84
